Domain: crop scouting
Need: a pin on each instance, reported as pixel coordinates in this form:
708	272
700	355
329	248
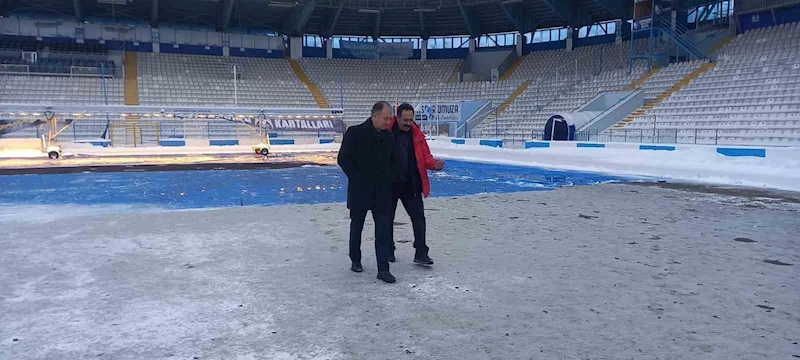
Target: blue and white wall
482	142
768	18
732	151
771	167
180	142
133	37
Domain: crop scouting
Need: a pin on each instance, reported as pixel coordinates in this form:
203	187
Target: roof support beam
560	7
529	23
78	10
154	13
470	21
334	19
579	15
305	14
616	8
423	31
701	15
376	34
298	19
225	16
514	18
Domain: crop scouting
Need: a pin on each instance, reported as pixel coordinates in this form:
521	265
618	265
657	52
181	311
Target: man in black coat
367	160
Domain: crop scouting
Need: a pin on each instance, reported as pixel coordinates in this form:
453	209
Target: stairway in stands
454	77
511	69
506	104
664	95
131	79
322	103
636	84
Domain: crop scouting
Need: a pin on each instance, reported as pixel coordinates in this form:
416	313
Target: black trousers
412	202
383	236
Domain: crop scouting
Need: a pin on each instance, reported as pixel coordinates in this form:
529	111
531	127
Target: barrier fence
150	132
698	136
18	62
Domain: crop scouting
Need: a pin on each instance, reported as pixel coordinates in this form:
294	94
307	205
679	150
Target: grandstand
164	231
354	84
594	69
751	96
744	94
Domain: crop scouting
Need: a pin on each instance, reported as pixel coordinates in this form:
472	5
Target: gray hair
379	106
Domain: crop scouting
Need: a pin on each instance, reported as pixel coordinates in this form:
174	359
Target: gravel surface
598	272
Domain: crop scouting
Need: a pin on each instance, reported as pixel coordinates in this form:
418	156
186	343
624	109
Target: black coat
366	156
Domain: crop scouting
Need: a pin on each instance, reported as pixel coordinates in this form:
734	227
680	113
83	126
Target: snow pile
21	153
693	164
160	150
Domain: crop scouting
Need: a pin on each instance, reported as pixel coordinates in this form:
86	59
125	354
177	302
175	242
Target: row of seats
355	84
60	90
667	77
174	79
360	71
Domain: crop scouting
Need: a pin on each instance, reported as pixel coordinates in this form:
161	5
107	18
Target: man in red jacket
413	159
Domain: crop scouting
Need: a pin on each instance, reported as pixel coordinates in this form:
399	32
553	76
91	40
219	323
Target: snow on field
780	170
589	272
695	164
157	150
22	153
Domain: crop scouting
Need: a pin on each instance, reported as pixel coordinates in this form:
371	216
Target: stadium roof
346	17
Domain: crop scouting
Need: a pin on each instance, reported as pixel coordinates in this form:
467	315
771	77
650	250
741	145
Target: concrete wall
475	77
706	41
603	101
616	111
482	62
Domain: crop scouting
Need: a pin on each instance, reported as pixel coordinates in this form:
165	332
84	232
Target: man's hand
439	164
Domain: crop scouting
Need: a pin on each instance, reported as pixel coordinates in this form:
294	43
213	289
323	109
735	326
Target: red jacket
425	160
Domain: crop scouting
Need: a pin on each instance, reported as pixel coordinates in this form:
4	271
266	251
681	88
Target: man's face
406	120
381	120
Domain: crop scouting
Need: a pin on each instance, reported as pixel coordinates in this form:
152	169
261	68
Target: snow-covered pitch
602	272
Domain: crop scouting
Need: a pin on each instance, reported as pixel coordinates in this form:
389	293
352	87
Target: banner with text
377	50
300	125
441	111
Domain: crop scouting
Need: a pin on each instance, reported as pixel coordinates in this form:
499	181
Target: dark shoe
391	258
423	259
386	277
356	267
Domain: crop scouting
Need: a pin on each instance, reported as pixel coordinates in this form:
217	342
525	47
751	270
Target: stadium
609	179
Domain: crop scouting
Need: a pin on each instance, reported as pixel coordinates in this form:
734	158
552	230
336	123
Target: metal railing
699	135
123	132
61	70
53	54
59	63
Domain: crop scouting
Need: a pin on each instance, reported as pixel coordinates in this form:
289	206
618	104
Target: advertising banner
377	50
301	125
441	111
